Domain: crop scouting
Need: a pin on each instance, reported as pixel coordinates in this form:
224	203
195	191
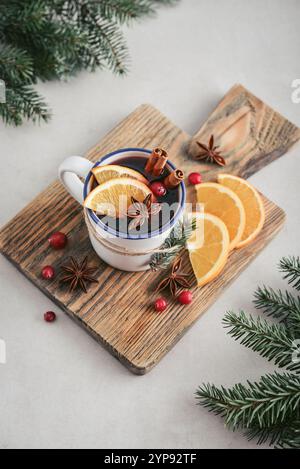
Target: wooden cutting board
118	311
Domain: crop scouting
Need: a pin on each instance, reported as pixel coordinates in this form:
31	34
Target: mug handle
69	172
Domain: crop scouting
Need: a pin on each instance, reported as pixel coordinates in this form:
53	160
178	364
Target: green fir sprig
272	341
23	102
55	39
290	266
283	306
270	401
174	243
269	409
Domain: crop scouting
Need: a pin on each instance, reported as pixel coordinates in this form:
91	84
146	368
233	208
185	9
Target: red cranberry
49	316
195	178
158	189
58	240
160	305
185	297
48	272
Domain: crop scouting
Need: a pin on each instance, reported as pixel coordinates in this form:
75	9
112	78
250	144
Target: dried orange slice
111	171
225	204
210	255
113	197
253	205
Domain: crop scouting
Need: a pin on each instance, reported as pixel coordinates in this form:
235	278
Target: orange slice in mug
113	197
112	171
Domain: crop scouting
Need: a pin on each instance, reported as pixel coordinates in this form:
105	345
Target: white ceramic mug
123	251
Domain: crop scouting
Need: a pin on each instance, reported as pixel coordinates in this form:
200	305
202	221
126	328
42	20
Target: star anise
210	153
175	280
140	212
77	274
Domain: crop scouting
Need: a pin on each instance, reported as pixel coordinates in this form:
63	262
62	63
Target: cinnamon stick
153	159
174	179
160	163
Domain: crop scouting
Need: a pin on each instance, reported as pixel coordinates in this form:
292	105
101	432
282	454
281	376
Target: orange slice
225	204
113	197
209	256
112	171
253	205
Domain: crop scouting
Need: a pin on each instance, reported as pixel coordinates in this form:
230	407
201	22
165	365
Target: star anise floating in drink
140	212
175	280
78	274
209	152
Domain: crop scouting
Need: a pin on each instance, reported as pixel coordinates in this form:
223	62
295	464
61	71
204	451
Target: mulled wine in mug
132	199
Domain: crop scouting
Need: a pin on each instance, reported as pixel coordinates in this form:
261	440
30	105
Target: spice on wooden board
209	152
77	274
174	280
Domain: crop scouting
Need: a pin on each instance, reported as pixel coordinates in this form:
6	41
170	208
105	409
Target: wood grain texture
249	133
130	330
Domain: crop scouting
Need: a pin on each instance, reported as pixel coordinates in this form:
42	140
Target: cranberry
48	272
49	316
195	178
58	240
158	189
185	297
160	304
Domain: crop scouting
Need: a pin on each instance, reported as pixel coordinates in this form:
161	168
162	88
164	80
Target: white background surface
59	389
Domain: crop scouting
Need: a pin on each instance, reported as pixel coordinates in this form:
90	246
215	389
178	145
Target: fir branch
108	40
282	435
54	39
124	11
105	43
63	54
282	306
290	436
23	102
173	244
270	409
16	66
271	341
27	17
276	304
290	266
260	405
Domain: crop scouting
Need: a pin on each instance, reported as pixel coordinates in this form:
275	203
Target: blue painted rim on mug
124	235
